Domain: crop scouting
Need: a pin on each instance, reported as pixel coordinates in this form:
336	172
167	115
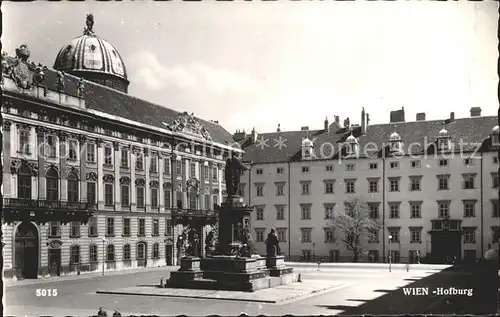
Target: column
116	166
219	180
7	174
100	174
133	192
161	198
185	174
211	186
201	178
41	161
176	183
63	147
147	193
82	141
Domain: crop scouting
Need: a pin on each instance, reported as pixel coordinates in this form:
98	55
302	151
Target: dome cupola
395	142
307	148
93	58
495	141
443	140
352	145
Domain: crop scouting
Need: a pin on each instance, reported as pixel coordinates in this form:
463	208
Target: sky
260	64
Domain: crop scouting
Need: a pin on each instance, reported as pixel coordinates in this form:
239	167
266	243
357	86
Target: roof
417	137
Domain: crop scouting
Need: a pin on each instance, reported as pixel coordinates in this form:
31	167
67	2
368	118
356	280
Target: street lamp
103	255
390	255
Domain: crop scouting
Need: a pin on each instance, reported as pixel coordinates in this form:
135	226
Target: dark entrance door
142	254
55	262
446	246
26	250
169	254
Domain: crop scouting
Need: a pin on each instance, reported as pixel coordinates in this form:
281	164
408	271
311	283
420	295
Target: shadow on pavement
481	278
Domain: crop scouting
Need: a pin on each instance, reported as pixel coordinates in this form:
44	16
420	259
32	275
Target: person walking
101	313
117	314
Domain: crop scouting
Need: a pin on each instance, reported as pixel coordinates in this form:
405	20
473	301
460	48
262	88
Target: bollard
299	279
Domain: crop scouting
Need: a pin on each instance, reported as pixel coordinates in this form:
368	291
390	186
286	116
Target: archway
26	250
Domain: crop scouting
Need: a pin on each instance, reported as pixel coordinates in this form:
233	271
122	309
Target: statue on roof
188	123
60	81
80	87
25	73
90	24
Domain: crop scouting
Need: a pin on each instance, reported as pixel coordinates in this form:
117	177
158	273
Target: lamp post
103	255
390	255
314	251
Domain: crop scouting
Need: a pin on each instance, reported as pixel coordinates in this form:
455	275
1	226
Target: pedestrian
101	312
117	314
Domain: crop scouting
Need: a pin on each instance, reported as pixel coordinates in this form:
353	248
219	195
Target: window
92	227
329	187
280	212
142	227
126	252
373	236
280	189
110	226
350	167
52	183
108	194
24	141
260	190
469	181
305	188
394	210
468	161
495	211
394	184
373	185
91	192
167	201
193	200
443	182
329	168
350	186
52	146
124	158
110	253
305	212
415	164
260	213
166	166
141	251
125	195
75	229
443	163
214	174
415	235
415	183
469	209
280	170
215	199
156	250
168	227
126	227
415	210
139	162
281	234
93	253
108	155
206	200
495	180
73	150
394	165
469	234
154	197
55	229
444	209
156	227
329	235
259	171
373	166
72	181
374	210
306	235
495	234
329	211
259	235
192	169
74	255
206	172
91	152
305	169
306	255
394	233
153	167
140	196
24	182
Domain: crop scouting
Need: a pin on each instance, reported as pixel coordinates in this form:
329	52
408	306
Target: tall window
329	211
259	190
178	198
394	210
108	155
350	186
469	181
90	152
166	198
110	252
24	182
142	227
52	146
140	196
214	174
305	212
215	199
124	158
110	226
52	179
108	194
206	199
126	227
125	195
306	235
139	162
74	255
192	169
374	210
24	141
178	168
154	164
75	229
280	212
168	227
92	227
306	188
166	166
126	252
141	251
156	227
91	193
193	200
394	233
373	185
73	150
415	210
154	197
55	229
444	209
93	253
260	213
206	172
72	187
156	250
394	184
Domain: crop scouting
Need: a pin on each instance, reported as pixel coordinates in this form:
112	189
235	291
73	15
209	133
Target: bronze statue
232	175
193	240
272	244
210	243
90	24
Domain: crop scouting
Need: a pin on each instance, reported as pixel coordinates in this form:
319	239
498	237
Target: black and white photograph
250	158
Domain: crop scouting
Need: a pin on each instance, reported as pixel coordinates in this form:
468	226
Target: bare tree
355	226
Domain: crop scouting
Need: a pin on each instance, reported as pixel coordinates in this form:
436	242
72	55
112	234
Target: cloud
194	76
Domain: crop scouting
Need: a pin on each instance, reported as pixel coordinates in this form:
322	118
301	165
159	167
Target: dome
495	130
94	59
307	142
351	139
443	133
394	137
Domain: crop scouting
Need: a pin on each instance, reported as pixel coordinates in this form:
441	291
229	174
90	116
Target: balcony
187	216
44	211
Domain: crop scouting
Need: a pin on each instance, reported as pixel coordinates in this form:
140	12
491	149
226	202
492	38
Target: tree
355	225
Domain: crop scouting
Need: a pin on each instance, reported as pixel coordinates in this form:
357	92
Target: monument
230	261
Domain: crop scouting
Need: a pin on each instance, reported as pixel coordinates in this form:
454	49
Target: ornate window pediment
140	182
125	180
154	184
167	185
108	178
92	176
187	123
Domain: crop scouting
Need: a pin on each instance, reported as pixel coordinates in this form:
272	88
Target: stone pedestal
276	266
190	264
187	274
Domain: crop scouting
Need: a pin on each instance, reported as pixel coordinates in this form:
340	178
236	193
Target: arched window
110	254
72	187
24	182
52	179
126	252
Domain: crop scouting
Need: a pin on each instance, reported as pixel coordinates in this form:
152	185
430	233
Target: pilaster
63	147
7	154
219	180
173	178
41	161
133	192
161	191
185	170
211	185
82	141
100	174
201	190
116	167
147	191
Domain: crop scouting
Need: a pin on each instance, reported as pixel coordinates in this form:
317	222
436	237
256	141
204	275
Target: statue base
188	272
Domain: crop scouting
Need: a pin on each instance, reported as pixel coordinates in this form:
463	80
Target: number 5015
42	292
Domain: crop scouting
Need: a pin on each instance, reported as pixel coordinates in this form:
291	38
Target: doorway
26	250
55	262
169	254
142	253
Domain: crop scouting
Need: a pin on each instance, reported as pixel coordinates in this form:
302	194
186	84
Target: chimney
279	128
253	135
452	115
398	115
346	123
305	128
421	116
363	121
475	111
327	125
239	135
337	120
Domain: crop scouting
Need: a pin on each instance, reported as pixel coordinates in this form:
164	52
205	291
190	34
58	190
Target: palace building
93	178
431	185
